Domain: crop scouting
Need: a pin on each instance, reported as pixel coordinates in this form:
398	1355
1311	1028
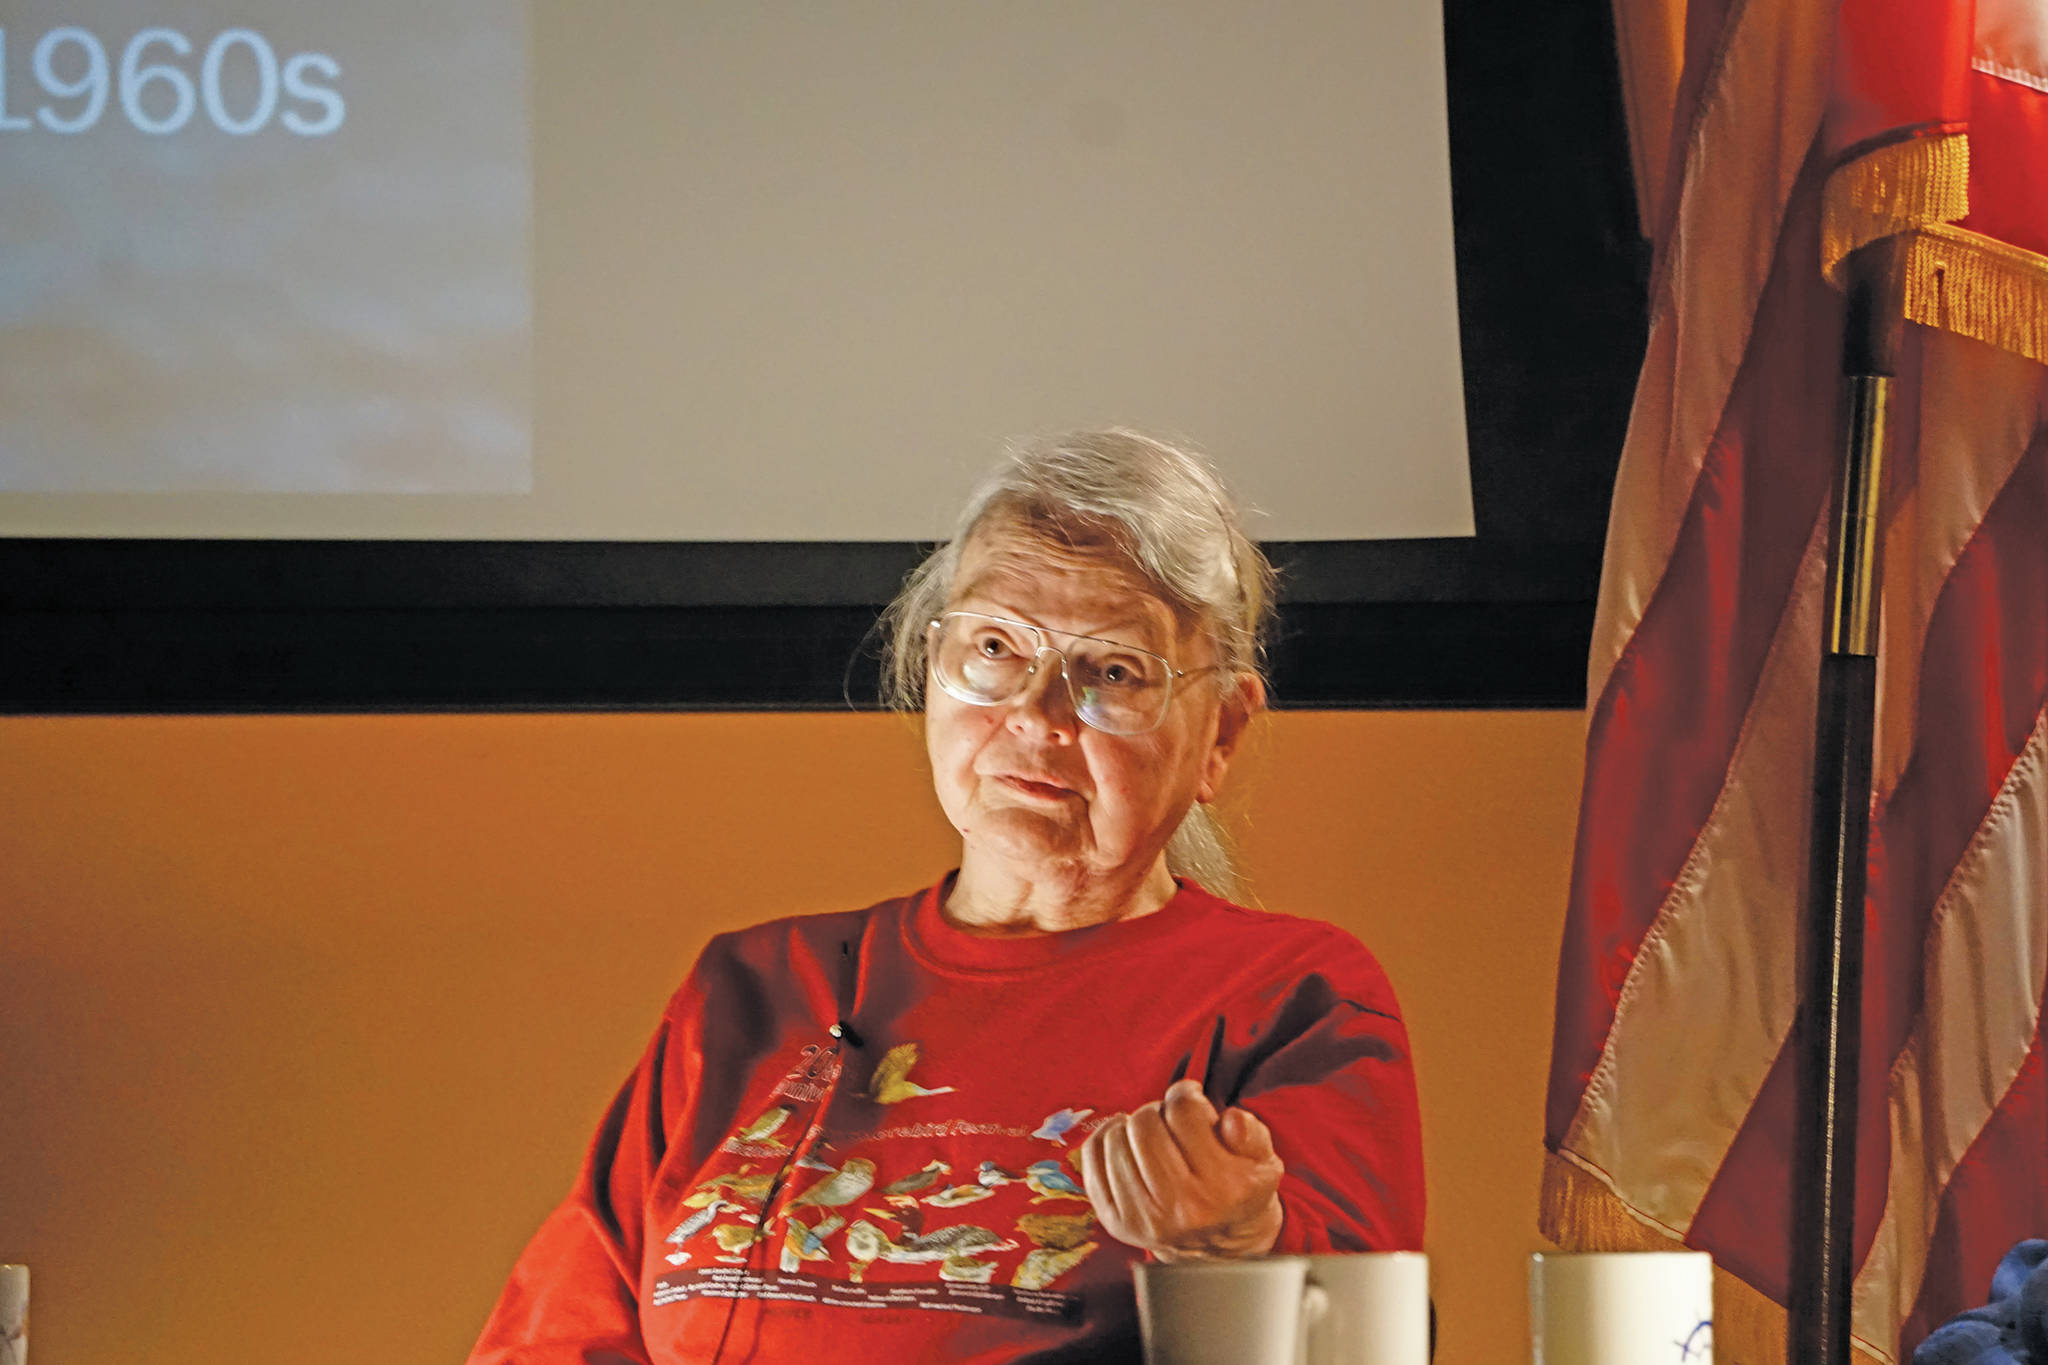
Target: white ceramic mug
13	1315
1622	1308
1378	1310
1251	1312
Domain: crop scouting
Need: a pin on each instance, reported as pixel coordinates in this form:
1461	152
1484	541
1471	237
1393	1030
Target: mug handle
1315	1305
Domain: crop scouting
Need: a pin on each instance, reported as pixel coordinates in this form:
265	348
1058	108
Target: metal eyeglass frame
1039	633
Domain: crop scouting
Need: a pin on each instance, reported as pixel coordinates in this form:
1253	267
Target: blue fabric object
2010	1330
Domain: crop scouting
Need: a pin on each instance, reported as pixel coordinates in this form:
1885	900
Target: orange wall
304	1022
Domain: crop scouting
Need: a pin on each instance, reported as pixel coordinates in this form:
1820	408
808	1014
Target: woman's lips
1045	791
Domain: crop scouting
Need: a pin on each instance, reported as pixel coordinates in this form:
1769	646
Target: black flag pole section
1831	968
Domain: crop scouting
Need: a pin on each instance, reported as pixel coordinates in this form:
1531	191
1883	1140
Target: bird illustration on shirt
852	1180
1045	1265
800	1243
744	1183
1057	1126
865	1244
733	1238
699	1221
891	1083
903	1210
1057	1231
1049	1180
760	1129
957	1195
955	1240
993	1176
967	1270
918	1180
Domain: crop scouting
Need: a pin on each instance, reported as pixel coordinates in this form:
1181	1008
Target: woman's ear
1240	704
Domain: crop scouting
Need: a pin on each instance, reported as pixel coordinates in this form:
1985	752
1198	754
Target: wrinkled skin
1180	1180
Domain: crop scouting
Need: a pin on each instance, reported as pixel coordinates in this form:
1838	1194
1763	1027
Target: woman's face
1024	780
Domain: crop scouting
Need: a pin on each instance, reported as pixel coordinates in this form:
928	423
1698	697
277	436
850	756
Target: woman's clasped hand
1179	1179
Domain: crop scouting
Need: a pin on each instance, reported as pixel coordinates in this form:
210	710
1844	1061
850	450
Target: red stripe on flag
1984	680
2008	183
1985	1197
1894	55
1984	677
1665	727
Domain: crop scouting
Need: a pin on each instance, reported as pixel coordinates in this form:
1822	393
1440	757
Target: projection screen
639	270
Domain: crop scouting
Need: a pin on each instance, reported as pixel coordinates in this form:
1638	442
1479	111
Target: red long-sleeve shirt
760	1190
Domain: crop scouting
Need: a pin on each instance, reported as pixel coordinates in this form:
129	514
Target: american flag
1800	132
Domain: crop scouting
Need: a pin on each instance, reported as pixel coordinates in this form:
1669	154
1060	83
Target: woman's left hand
1179	1180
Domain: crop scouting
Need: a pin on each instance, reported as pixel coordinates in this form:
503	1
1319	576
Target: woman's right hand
1180	1180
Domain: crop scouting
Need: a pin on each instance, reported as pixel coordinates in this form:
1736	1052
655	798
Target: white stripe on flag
1986	959
1982	407
1759	114
1710	996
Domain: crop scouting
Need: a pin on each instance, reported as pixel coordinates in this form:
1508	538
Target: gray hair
1163	509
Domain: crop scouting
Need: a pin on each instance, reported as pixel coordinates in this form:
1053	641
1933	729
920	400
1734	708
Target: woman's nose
1044	702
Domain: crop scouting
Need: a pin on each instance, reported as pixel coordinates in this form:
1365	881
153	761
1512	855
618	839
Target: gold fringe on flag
1892	189
1964	282
1579	1212
1955	279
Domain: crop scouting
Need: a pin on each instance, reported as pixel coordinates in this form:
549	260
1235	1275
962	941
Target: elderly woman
991	1097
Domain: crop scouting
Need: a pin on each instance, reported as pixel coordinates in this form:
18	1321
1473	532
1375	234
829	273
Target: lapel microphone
849	993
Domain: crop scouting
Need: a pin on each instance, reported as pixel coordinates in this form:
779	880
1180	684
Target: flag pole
1824	1205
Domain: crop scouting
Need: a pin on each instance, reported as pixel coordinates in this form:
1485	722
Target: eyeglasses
986	660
